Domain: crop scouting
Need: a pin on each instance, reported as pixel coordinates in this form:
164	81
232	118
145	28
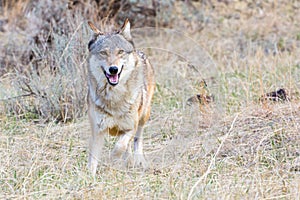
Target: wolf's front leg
95	145
95	148
139	159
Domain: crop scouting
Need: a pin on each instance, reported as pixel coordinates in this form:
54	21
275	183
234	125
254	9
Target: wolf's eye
103	53
121	51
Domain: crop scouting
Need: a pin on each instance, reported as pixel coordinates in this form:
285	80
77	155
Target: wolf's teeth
114	78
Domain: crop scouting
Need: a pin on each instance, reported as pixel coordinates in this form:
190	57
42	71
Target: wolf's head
111	53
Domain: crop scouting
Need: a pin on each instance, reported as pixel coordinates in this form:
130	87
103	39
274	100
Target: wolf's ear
94	28
125	30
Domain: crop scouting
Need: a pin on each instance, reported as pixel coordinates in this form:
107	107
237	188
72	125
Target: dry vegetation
240	146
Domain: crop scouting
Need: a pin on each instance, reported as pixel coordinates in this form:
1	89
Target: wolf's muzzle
113	75
113	70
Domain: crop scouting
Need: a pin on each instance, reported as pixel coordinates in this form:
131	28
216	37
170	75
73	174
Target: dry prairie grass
233	148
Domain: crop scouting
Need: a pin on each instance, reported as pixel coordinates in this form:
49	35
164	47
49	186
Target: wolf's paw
140	162
92	166
117	163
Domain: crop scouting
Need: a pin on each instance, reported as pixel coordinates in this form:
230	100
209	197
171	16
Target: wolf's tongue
113	78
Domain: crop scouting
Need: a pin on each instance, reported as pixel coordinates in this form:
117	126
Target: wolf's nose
113	70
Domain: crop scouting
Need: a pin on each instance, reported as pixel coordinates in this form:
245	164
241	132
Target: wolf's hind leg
127	156
122	145
139	159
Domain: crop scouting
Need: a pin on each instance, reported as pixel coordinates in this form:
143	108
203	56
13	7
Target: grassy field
236	147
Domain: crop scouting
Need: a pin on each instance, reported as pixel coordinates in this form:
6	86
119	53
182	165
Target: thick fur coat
121	85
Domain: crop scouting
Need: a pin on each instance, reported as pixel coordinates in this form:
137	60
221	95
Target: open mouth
113	79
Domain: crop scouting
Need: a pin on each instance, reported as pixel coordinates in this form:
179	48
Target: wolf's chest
115	131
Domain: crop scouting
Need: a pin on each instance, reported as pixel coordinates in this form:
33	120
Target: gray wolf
120	88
